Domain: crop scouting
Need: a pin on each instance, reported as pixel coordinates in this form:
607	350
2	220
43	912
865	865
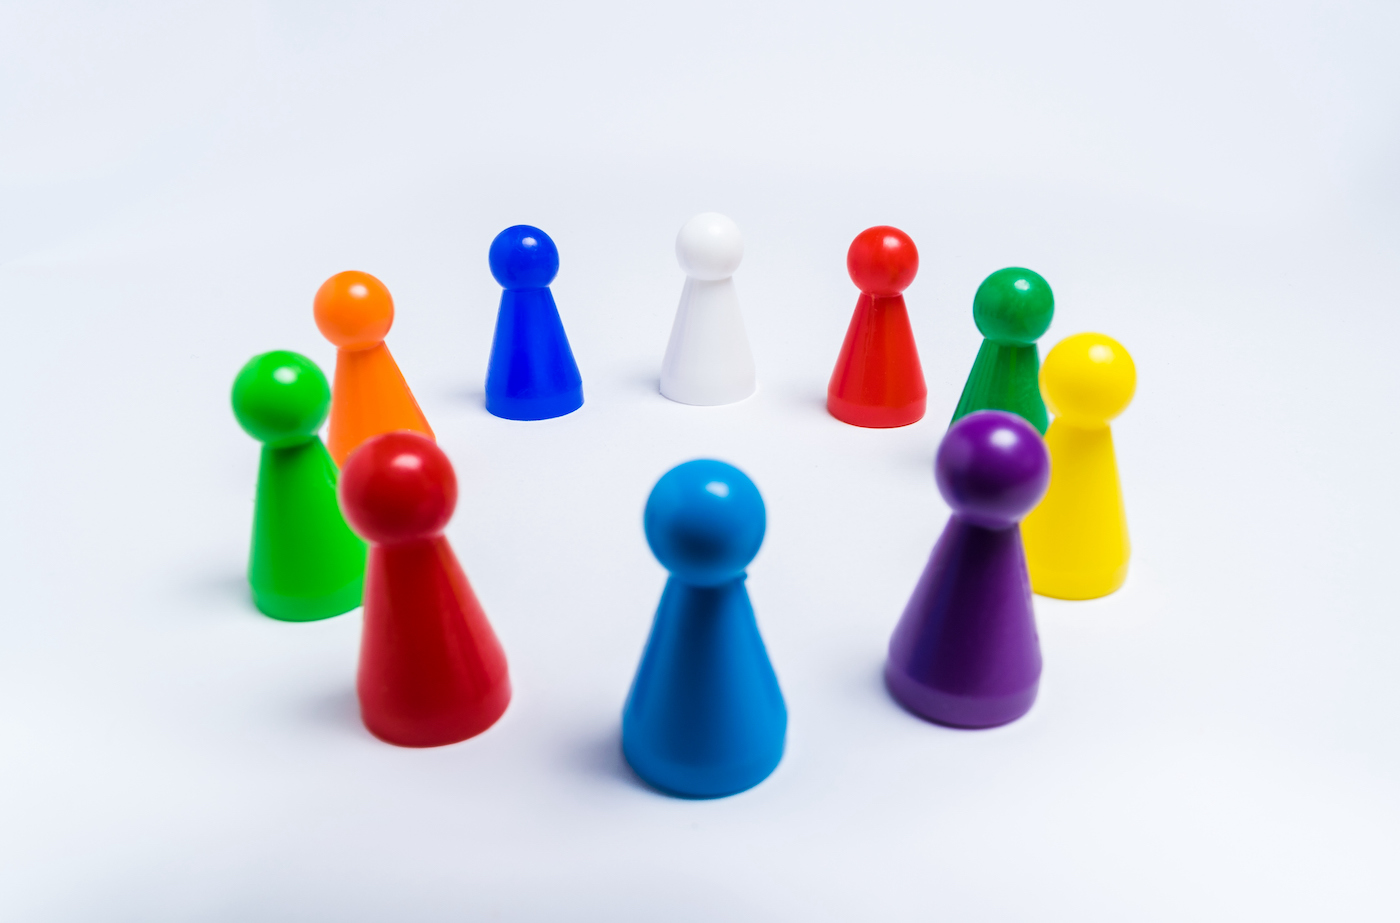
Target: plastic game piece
305	562
431	669
354	311
705	717
708	360
966	652
532	374
1012	308
878	380
1077	538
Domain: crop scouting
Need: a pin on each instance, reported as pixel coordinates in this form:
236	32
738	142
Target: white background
1214	184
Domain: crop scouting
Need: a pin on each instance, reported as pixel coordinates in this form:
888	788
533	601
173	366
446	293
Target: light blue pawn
705	717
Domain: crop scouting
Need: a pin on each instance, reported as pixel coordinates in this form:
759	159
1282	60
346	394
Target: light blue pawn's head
705	521
524	257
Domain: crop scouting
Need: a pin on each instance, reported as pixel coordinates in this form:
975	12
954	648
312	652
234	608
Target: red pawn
431	669
878	380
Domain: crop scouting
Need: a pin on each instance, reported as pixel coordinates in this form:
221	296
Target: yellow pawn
1077	538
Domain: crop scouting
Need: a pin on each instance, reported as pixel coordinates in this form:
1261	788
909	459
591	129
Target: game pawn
431	670
878	381
965	652
532	374
705	717
1077	538
305	562
1012	308
708	360
355	311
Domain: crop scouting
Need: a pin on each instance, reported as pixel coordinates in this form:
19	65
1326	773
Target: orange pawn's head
354	310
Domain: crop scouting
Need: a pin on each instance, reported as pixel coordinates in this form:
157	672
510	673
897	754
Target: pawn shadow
813	402
471	395
221	589
645	382
600	757
335	710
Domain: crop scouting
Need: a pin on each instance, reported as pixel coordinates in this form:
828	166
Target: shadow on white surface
599	757
336	710
221	591
472	395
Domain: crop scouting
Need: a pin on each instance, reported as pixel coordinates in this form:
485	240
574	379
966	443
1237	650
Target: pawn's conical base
532	374
965	652
1005	377
431	672
305	563
540	408
878	381
1070	585
874	416
957	711
705	717
708	361
1077	538
371	397
309	608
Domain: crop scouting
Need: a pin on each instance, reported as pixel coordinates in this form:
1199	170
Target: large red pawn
431	669
878	380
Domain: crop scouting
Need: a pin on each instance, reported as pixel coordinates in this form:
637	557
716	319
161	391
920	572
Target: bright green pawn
306	564
1012	308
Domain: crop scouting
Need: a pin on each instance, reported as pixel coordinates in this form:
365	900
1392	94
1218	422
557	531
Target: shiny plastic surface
966	652
431	669
705	716
532	374
305	563
708	360
1077	538
355	311
1013	307
878	381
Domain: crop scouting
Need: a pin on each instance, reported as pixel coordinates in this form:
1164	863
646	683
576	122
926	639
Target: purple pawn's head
992	468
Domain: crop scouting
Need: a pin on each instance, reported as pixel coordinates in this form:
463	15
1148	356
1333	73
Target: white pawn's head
709	247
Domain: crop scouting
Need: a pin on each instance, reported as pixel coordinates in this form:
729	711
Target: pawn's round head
704	522
709	247
281	398
354	310
398	487
1088	379
1013	306
882	261
523	257
992	468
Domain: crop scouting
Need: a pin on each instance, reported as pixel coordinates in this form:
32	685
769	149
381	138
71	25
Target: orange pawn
354	311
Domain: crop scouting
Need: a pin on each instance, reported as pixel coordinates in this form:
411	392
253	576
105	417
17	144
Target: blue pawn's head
705	521
524	257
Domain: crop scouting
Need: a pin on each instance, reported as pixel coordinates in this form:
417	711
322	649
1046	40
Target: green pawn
306	564
1012	308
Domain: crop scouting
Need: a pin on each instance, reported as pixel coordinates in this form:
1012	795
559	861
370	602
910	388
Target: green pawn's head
281	398
1013	306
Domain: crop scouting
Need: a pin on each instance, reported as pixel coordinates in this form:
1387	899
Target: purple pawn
965	652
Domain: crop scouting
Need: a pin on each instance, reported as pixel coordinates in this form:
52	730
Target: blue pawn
705	716
532	374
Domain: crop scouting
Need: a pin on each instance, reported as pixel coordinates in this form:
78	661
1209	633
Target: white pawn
708	360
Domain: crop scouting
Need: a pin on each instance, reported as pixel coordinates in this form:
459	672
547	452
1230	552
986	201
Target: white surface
1213	185
708	361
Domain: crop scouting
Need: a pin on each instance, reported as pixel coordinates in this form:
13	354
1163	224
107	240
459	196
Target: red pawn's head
882	261
398	487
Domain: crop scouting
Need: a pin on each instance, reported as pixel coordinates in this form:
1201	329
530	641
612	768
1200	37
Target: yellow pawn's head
1088	379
